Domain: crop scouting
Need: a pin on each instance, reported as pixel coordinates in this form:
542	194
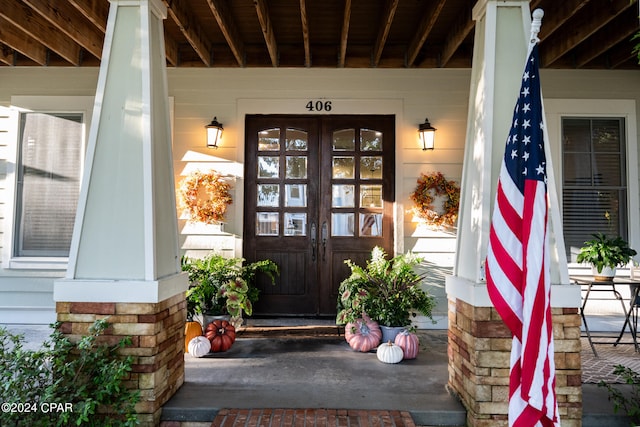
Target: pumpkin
409	343
363	335
389	353
199	346
221	334
191	330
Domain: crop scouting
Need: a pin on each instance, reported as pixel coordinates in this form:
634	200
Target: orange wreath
205	196
429	187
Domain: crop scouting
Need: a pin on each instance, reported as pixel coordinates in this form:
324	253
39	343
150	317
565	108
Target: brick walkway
599	368
311	418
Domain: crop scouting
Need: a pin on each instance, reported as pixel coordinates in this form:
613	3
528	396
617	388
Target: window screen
48	182
594	192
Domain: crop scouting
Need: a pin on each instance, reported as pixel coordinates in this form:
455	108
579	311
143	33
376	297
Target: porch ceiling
576	34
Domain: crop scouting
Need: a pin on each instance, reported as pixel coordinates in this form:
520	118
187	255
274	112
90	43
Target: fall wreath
429	187
205	195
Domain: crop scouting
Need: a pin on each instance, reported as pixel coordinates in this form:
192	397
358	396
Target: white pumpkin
389	353
199	346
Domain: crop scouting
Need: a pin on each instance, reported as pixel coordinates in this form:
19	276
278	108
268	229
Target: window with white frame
594	180
48	173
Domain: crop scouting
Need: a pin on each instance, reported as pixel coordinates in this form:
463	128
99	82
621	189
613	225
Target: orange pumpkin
409	343
222	335
363	335
191	330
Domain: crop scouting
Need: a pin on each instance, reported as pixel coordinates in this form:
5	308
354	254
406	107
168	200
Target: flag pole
554	212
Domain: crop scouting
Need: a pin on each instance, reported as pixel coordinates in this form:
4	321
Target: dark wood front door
318	190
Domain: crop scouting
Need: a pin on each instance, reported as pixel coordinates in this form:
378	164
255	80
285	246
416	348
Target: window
595	193
48	174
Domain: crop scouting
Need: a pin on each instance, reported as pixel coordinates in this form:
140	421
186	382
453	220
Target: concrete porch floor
321	372
301	371
316	369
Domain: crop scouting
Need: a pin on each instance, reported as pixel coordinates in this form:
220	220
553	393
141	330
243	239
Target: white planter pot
605	275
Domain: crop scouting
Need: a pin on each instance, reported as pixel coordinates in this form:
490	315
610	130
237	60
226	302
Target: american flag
517	263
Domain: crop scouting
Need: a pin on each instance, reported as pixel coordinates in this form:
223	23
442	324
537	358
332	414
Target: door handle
313	233
324	240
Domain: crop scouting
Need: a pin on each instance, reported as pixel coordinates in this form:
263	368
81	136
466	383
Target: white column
500	50
125	240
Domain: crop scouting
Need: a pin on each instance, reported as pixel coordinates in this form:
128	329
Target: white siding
200	94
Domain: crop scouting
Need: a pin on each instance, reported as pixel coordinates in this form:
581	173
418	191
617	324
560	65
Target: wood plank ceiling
576	34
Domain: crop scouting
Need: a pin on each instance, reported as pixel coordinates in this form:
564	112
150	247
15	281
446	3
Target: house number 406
319	106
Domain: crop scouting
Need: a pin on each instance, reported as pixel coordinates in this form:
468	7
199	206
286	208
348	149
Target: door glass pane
269	140
371	167
268	195
342	224
295	195
371	196
267	224
295	224
370	224
296	140
268	167
344	140
370	140
343	168
296	167
342	196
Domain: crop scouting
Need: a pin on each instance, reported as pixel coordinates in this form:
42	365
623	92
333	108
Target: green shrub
630	401
66	384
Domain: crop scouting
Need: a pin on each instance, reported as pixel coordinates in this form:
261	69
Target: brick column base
479	353
157	332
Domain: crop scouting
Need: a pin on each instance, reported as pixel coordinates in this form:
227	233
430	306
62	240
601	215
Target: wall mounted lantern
214	133
427	135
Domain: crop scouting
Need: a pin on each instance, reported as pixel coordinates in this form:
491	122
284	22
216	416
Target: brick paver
595	369
311	418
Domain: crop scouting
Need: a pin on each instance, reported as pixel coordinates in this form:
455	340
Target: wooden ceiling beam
221	12
40	29
623	29
18	40
593	16
171	49
385	26
181	14
267	30
621	55
305	33
67	19
6	55
426	25
459	31
344	34
96	11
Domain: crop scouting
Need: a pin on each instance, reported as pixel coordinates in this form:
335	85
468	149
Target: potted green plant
605	254
389	291
222	286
